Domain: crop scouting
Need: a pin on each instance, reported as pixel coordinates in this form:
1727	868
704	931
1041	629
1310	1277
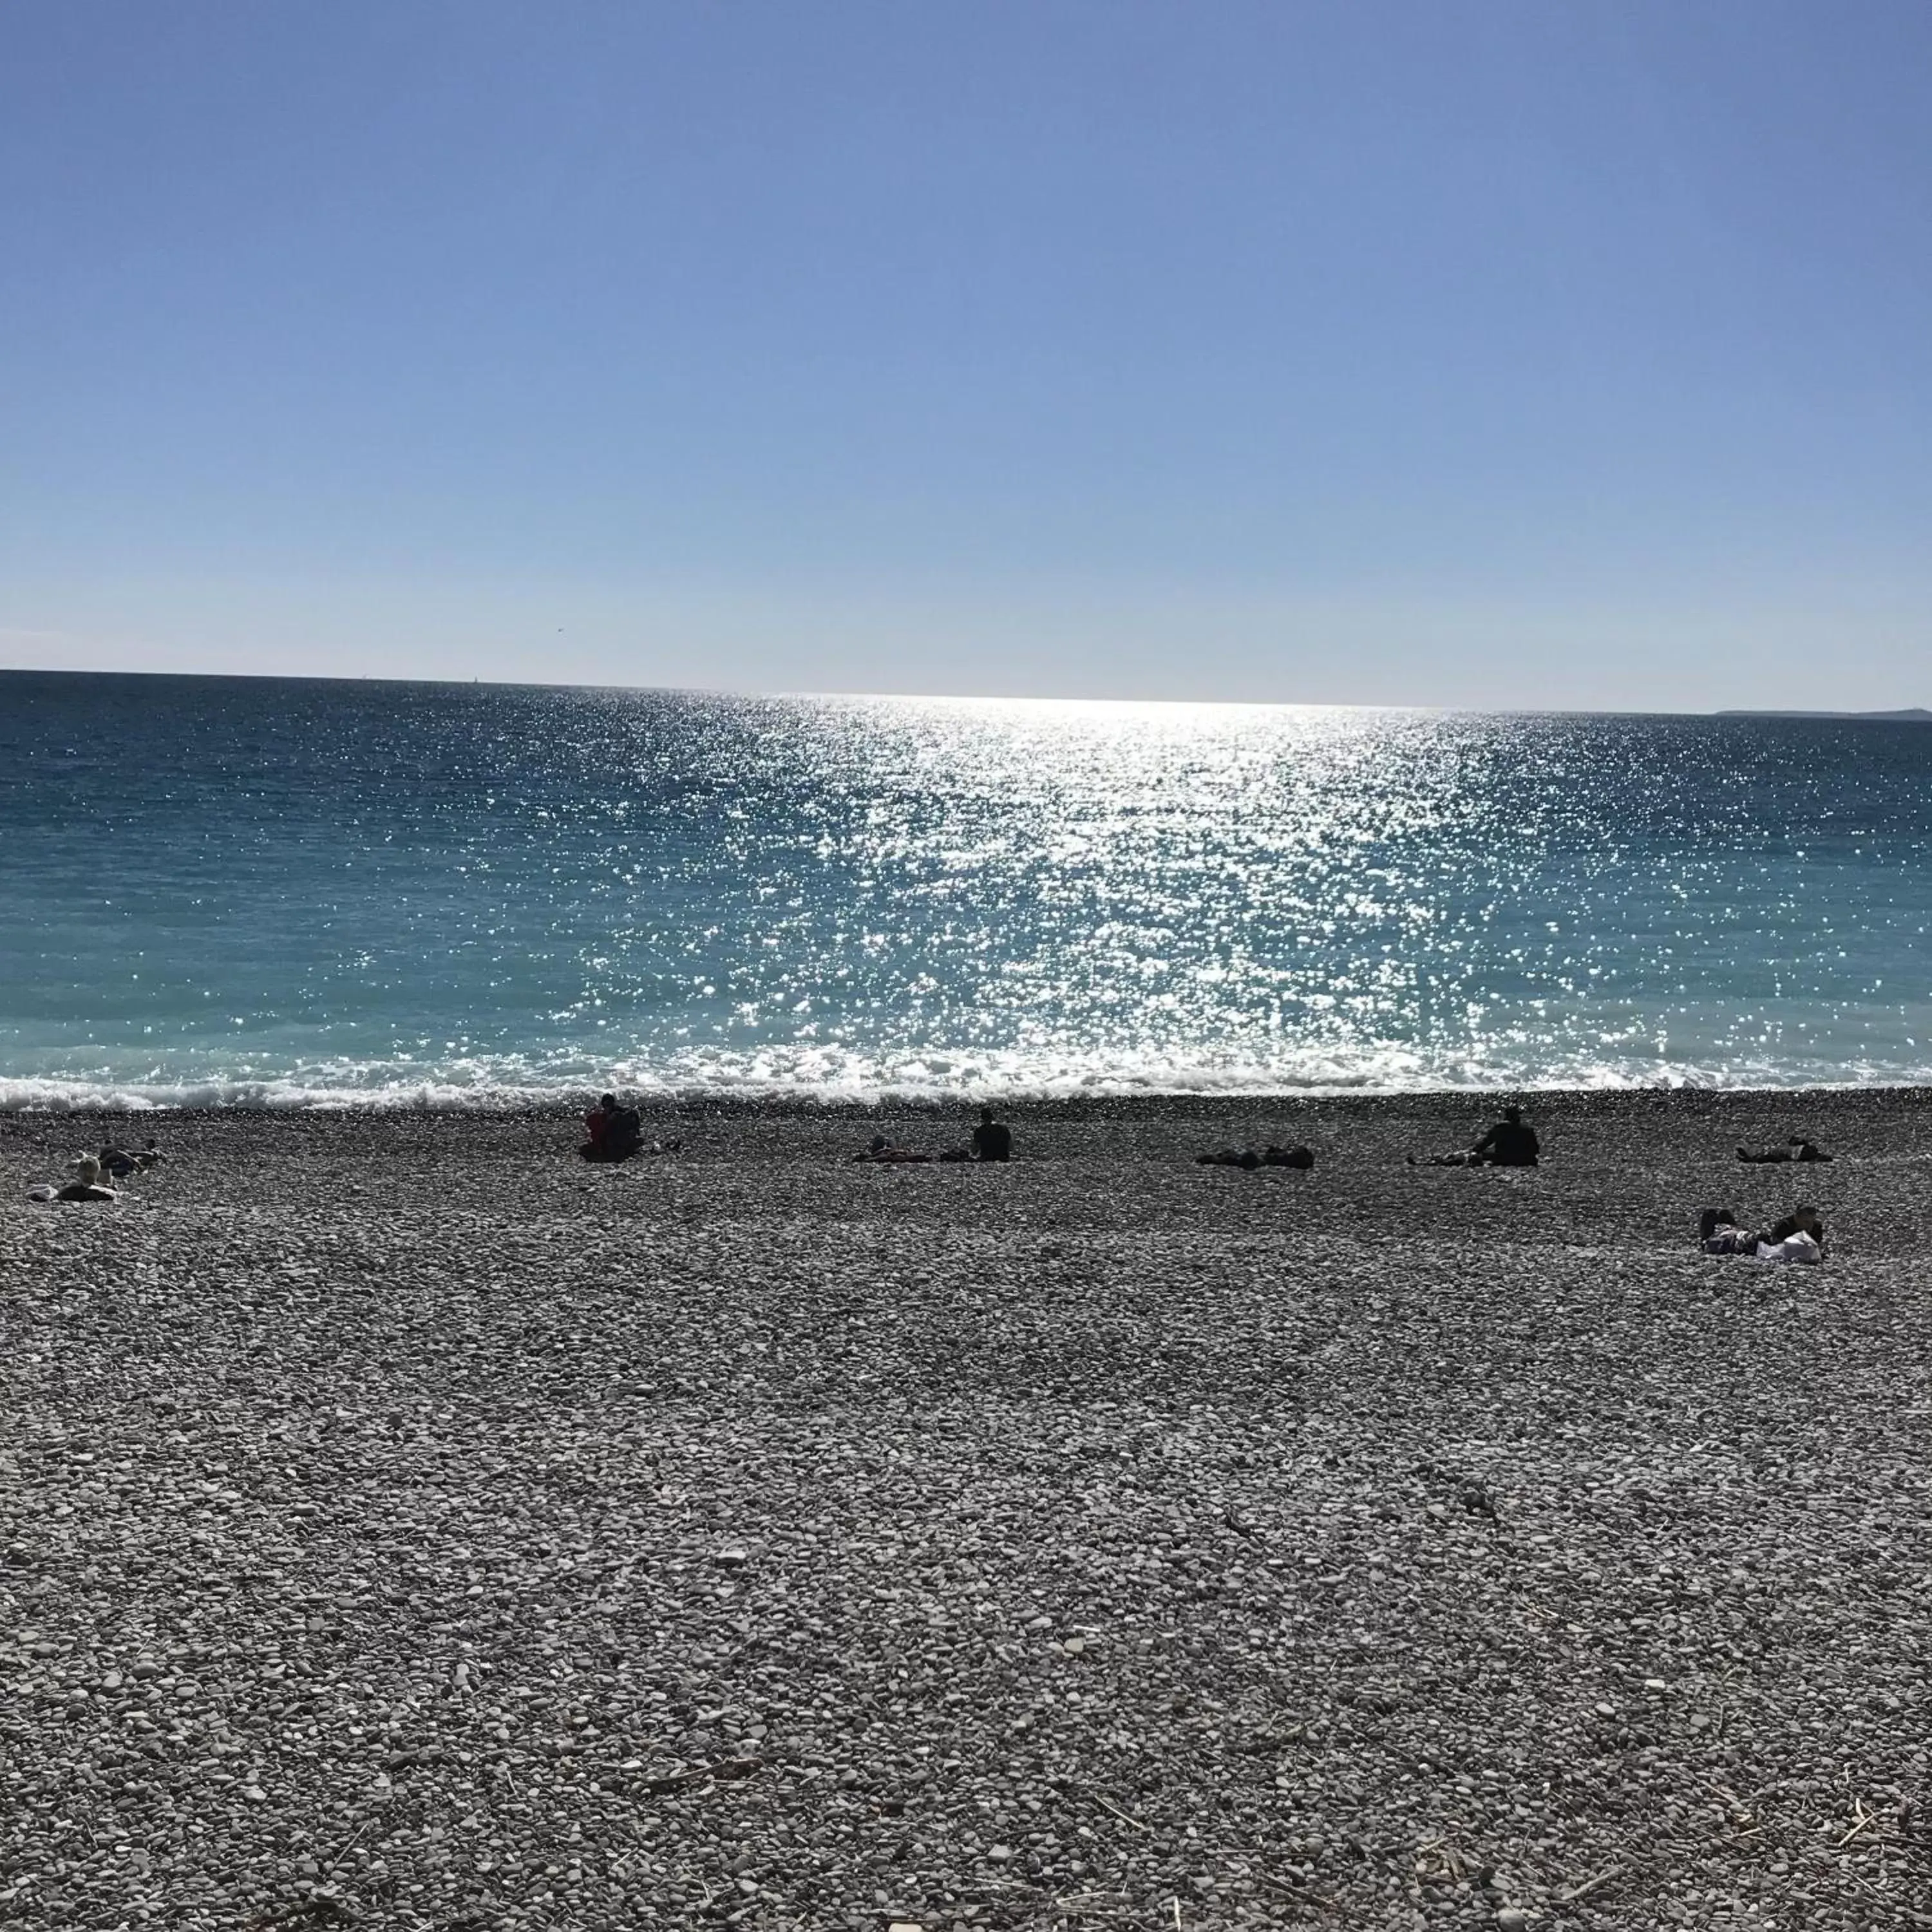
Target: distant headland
1917	714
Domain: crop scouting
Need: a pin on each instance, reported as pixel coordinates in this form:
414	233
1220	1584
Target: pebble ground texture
403	1524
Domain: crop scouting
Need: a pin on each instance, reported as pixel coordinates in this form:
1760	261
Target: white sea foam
941	1080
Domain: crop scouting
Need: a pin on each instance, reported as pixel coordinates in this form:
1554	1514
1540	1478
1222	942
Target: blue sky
1435	353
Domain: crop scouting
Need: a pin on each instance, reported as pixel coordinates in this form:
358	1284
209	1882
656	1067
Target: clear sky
1455	351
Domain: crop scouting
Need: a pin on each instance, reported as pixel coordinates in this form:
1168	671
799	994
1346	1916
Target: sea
296	893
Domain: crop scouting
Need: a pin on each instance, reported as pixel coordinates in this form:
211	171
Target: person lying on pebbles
882	1151
1269	1156
992	1141
119	1163
1796	1148
1798	1237
85	1185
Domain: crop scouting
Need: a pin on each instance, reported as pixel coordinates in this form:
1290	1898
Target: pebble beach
405	1525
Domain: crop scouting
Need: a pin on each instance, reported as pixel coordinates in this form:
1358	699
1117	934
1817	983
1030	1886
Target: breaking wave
933	1080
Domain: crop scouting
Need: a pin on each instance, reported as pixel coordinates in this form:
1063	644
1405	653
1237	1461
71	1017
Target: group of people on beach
614	1133
992	1140
91	1174
1799	1236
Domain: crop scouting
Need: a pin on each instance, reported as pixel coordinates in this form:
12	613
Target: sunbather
1292	1157
118	1162
882	1151
1798	1237
1796	1148
85	1186
1270	1156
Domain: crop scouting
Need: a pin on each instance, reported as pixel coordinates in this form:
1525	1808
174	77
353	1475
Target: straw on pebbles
403	1525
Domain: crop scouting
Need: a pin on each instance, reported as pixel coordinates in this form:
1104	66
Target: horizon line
1879	713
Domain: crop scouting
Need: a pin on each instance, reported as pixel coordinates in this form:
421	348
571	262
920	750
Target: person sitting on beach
882	1150
616	1132
1796	1148
85	1186
992	1140
594	1123
1511	1142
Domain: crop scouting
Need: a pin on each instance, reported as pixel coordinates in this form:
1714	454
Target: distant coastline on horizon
1915	714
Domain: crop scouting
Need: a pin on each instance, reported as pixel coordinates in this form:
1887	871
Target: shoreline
782	1105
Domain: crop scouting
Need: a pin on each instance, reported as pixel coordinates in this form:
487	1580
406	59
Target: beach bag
1799	1248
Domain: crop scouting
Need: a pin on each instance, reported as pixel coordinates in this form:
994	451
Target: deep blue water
264	890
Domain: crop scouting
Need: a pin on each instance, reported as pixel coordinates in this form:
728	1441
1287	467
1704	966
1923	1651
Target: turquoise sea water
294	891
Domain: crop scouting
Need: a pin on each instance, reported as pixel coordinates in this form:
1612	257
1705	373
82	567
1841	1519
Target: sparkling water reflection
285	890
